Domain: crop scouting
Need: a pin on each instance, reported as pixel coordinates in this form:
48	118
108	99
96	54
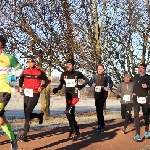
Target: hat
2	40
144	65
31	58
127	75
71	61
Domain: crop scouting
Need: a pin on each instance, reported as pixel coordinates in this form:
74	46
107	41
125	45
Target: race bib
70	83
1	106
141	100
98	89
28	92
126	97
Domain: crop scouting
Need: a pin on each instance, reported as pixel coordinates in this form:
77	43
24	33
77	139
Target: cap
71	61
127	75
2	40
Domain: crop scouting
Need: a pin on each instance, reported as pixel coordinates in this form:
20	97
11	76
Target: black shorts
4	99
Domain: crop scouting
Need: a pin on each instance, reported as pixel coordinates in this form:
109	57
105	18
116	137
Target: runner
30	82
71	79
100	83
124	91
140	98
7	61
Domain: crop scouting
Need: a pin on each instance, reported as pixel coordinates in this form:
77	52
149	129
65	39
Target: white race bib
126	97
98	89
70	82
28	92
141	100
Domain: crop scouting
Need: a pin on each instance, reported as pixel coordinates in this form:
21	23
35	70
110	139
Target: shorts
4	99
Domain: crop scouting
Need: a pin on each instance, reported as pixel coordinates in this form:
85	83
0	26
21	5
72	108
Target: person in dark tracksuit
100	83
31	83
71	79
140	98
124	91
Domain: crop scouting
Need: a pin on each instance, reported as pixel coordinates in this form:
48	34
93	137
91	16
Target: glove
55	90
68	110
80	86
11	78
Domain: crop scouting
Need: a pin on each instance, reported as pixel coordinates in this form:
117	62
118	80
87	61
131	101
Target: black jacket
101	80
72	92
138	81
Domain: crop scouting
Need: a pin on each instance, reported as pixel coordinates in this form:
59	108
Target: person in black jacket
71	79
100	83
140	98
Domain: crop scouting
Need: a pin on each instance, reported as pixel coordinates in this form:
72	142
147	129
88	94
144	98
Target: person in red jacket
31	83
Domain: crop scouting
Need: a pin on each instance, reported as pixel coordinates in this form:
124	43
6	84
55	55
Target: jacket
138	81
125	88
101	80
71	89
32	79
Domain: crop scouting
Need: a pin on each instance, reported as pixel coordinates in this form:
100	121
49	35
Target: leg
30	103
136	117
127	115
5	125
145	109
100	116
123	110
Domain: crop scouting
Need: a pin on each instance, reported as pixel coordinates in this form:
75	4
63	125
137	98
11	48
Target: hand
144	86
20	90
105	88
94	84
133	94
40	89
55	90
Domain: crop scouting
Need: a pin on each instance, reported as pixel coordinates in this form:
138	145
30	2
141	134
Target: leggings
126	113
71	118
145	108
99	102
29	105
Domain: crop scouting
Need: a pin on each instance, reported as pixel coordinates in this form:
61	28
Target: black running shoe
23	138
71	133
76	136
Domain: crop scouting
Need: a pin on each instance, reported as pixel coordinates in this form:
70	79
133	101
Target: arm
81	76
118	91
45	78
110	82
15	64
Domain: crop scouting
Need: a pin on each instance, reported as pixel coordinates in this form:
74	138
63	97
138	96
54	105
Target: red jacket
32	79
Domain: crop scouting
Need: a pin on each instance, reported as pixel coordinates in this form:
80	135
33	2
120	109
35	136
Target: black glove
55	90
80	86
68	110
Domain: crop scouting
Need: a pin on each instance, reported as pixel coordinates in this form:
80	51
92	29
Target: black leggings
145	108
126	113
29	105
71	118
99	102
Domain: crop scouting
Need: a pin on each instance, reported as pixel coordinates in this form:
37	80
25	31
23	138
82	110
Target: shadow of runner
88	137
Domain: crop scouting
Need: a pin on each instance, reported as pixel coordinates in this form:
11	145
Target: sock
7	129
